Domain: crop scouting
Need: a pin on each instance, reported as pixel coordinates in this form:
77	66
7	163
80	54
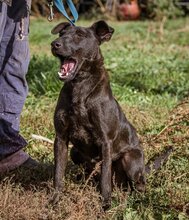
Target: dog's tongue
67	66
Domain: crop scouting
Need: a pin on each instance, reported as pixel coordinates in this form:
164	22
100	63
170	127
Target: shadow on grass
28	178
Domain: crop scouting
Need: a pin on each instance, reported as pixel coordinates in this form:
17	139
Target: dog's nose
56	44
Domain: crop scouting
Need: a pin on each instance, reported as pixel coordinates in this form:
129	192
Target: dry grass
25	194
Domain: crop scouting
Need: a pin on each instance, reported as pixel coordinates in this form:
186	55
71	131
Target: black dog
88	115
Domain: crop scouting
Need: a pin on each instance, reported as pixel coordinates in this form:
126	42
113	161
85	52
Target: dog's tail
158	160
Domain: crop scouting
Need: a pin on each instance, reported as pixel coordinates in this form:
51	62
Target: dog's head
76	44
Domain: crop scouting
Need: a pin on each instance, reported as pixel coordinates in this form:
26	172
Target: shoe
30	164
13	161
22	162
33	165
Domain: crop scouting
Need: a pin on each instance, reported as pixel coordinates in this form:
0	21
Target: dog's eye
61	33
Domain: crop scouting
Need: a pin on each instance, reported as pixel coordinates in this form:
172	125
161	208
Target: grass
149	72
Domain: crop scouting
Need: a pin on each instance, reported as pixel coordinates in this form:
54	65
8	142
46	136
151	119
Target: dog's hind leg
133	165
119	176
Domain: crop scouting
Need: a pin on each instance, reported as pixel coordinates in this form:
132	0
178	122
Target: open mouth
67	68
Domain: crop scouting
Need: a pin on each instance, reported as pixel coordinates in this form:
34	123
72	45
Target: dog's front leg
61	155
106	182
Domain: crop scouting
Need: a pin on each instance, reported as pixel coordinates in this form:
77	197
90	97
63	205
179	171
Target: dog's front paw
106	204
54	199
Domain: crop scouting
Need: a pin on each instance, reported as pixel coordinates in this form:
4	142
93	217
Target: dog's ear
102	31
58	28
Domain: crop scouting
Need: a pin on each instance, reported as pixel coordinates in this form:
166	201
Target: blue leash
60	6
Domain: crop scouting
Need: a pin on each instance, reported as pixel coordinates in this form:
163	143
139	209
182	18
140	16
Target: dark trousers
14	61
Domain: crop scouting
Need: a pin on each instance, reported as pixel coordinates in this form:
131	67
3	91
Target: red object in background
130	11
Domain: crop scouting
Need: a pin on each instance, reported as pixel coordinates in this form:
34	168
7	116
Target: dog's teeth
59	73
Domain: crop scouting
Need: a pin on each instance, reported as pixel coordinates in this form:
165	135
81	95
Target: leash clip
60	6
51	15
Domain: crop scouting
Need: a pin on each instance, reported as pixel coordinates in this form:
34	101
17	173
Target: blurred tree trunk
39	8
111	6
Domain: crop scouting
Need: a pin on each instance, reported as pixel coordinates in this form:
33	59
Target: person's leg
14	61
3	13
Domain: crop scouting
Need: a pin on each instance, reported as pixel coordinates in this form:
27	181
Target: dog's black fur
87	114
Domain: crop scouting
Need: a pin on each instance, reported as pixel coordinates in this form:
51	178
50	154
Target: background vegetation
153	9
149	72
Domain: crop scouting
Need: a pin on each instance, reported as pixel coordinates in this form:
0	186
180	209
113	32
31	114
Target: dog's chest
80	128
